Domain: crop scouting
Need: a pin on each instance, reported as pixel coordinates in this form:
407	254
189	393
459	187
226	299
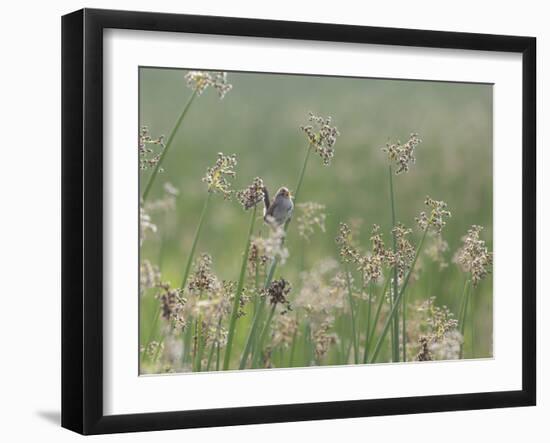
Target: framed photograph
269	221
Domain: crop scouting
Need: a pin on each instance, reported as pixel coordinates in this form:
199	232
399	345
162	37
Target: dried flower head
402	154
404	253
321	136
148	157
348	252
199	81
438	336
252	195
276	292
172	305
371	265
216	176
436	218
203	279
473	256
311	214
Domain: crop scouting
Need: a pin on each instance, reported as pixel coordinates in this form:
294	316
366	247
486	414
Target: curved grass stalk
392	314
236	302
169	141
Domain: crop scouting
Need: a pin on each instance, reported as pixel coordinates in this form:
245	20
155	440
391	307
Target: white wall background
30	218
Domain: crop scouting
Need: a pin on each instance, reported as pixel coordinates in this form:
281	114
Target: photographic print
292	221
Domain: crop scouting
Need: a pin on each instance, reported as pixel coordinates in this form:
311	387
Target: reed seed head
474	257
199	81
321	136
402	154
251	195
277	293
435	220
348	252
217	176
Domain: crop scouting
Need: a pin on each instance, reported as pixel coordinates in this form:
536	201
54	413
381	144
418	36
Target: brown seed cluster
217	176
199	81
172	305
251	195
203	280
403	154
435	220
473	256
348	251
277	293
322	136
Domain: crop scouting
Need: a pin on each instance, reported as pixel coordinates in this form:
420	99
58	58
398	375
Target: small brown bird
279	211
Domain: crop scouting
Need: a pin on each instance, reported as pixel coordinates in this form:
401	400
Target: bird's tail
266	199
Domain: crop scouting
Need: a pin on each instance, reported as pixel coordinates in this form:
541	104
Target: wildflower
199	81
277	292
436	219
147	156
311	215
145	225
203	280
324	139
473	256
252	195
216	176
402	154
348	252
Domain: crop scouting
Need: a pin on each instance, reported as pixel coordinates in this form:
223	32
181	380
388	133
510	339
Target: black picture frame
82	220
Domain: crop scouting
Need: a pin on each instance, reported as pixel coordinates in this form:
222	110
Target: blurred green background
259	121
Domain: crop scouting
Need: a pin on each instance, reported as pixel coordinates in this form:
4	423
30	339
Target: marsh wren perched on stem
279	211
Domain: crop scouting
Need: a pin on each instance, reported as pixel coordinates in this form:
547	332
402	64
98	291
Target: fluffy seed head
321	136
199	81
402	154
473	256
251	195
217	176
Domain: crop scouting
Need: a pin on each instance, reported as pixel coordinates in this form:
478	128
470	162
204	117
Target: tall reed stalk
237	299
